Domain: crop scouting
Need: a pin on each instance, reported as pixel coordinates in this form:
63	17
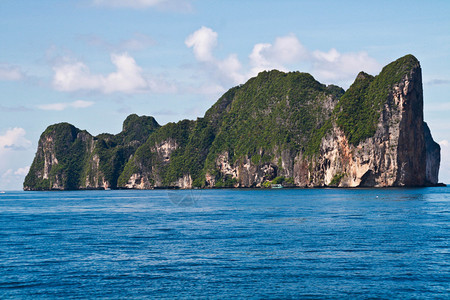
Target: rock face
433	156
400	153
276	128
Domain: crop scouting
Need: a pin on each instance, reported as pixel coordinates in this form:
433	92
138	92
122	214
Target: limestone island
278	129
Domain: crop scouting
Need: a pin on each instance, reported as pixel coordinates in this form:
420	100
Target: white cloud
128	77
13	139
10	73
177	5
230	68
22	171
62	106
14	148
12	180
333	65
257	57
81	104
203	41
284	50
285	53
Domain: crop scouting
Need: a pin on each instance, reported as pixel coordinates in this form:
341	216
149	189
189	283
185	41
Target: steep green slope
275	109
191	142
172	138
63	146
115	150
359	109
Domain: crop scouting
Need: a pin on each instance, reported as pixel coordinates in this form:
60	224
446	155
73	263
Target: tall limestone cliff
276	128
386	143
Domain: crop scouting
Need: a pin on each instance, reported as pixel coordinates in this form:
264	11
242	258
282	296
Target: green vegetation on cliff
115	150
359	109
274	111
174	150
68	147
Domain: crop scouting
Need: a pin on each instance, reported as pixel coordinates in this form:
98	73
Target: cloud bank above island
286	53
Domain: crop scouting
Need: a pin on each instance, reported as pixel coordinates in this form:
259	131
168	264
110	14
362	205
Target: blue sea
243	244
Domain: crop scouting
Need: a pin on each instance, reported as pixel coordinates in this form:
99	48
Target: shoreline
238	188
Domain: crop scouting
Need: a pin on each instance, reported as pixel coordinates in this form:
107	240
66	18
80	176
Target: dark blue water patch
327	243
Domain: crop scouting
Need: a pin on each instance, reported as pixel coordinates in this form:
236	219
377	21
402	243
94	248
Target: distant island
278	129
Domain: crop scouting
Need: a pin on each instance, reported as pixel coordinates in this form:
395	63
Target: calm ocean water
313	243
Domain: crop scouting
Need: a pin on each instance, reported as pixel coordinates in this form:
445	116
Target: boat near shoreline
276	186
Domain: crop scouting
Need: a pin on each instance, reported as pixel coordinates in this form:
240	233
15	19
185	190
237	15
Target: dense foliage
115	150
273	112
70	153
147	159
359	109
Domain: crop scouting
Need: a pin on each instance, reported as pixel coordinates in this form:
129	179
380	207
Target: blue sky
93	62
